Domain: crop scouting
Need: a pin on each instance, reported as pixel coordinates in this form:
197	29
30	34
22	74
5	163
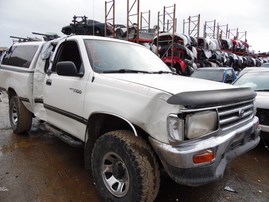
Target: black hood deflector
211	98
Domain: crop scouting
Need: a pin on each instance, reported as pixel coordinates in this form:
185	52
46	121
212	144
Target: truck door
64	94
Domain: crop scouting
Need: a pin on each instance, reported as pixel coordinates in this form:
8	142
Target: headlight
200	123
175	127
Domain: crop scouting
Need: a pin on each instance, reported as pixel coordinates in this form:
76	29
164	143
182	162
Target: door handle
48	82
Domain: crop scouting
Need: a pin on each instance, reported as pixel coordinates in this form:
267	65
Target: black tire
124	168
20	118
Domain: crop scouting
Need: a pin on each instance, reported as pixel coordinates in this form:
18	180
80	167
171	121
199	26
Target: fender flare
89	144
115	115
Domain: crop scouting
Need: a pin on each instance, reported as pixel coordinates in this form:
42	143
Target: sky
21	18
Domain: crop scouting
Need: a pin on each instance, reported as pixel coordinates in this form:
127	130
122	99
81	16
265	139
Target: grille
263	115
232	115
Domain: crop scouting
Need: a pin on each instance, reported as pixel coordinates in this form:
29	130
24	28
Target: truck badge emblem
241	113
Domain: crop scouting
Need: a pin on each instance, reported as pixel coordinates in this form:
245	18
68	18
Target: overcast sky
21	18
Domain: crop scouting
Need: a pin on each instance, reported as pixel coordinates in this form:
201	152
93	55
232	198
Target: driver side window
69	51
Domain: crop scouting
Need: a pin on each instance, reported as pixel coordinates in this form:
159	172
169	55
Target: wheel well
98	125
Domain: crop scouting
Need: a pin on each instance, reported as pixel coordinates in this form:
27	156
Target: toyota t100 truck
129	111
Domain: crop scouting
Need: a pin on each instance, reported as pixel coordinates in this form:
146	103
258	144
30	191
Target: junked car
259	81
89	27
219	74
248	69
183	55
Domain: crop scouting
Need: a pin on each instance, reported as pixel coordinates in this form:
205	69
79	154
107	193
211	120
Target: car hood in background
262	100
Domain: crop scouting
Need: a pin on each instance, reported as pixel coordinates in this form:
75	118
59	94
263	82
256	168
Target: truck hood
172	84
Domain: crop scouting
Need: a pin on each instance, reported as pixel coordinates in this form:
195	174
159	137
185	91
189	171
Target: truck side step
72	141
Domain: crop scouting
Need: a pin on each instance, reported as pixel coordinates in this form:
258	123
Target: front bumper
178	161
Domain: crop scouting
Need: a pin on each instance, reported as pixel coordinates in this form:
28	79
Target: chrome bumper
178	161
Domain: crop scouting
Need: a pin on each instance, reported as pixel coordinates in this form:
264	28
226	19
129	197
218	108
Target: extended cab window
69	51
20	56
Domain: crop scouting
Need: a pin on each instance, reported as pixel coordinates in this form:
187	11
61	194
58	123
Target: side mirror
66	68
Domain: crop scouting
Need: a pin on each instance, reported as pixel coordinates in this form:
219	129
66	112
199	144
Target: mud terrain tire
124	168
20	118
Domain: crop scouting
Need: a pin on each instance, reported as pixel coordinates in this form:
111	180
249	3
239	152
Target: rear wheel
20	118
125	168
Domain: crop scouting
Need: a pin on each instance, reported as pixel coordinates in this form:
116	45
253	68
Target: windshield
112	56
255	80
265	65
213	75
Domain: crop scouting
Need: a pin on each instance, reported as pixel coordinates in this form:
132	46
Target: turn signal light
205	157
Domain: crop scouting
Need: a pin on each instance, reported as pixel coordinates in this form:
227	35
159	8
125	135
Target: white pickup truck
130	112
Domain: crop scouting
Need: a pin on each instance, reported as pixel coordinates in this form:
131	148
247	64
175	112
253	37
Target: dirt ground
39	167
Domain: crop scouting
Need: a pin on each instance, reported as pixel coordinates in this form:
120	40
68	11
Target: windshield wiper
164	72
126	71
264	90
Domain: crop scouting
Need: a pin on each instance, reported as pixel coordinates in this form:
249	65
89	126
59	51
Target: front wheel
20	117
124	168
